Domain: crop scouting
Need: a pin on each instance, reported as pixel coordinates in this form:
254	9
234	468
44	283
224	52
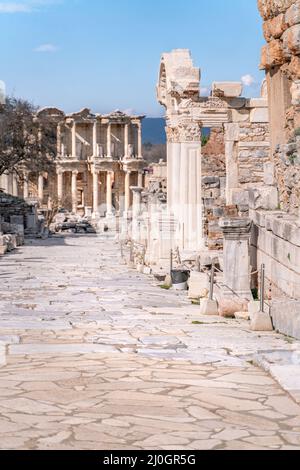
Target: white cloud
248	80
46	48
25	6
11	7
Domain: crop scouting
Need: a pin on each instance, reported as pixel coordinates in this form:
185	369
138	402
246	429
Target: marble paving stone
97	356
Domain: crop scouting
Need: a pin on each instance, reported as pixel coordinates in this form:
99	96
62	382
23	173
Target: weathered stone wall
213	169
276	243
281	60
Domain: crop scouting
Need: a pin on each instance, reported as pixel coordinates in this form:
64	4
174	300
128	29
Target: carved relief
184	132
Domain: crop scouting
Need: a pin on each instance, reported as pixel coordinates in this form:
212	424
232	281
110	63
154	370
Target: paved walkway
99	357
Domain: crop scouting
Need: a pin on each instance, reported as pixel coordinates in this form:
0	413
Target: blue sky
105	54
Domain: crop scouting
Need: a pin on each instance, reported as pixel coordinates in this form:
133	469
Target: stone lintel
137	189
235	228
135	164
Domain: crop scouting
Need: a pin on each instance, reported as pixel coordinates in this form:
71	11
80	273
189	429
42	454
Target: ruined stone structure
281	61
99	157
197	186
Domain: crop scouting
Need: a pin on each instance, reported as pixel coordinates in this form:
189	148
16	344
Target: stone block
240	115
242	316
269	174
198	283
253	307
229	306
291	41
257	103
259	115
272	54
208	307
261	322
232	132
227	89
263	198
240	197
295	92
292	15
17	219
275	27
286	317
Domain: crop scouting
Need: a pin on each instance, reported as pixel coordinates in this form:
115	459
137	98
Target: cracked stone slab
83	348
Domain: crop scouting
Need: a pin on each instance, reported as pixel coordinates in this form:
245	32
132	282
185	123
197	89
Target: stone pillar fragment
127	193
95	146
236	256
140	143
109	140
136	212
41	187
74	140
59	140
26	185
15	185
95	194
126	140
109	207
74	191
60	179
140	179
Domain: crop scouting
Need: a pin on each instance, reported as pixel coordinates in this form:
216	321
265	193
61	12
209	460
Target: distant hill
154	131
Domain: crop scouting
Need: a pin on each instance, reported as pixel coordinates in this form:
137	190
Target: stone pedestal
136	212
236	256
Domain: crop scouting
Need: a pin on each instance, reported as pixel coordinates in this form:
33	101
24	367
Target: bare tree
25	141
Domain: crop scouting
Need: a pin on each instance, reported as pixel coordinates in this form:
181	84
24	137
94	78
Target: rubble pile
66	222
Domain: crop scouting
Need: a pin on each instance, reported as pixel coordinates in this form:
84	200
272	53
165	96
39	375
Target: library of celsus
99	157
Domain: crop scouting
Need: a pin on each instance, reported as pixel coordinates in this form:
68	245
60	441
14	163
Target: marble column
74	140
141	179
237	256
127	193
109	207
58	139
74	191
26	185
95	147
41	187
185	185
140	144
126	140
15	185
60	182
109	140
95	193
5	182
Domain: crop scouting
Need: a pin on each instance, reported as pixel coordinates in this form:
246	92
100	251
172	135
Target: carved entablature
212	102
185	131
178	78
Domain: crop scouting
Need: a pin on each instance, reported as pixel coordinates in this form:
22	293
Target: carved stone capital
185	131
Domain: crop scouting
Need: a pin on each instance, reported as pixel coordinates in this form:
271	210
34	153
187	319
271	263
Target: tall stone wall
281	60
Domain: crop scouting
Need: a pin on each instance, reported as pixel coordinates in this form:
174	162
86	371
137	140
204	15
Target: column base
95	215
